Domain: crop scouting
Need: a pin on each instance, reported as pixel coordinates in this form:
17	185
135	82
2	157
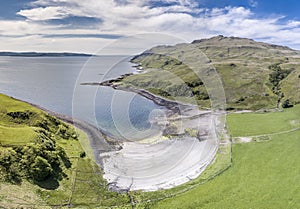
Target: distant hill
255	75
43	54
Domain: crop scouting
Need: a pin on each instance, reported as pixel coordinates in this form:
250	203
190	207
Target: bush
276	76
40	169
194	83
191	132
82	154
9	170
286	104
20	115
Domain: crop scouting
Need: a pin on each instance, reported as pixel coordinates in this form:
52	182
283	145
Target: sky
87	26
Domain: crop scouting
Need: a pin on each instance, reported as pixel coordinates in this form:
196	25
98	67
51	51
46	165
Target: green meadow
258	175
263	174
252	124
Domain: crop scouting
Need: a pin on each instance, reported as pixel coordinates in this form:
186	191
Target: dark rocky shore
174	106
98	140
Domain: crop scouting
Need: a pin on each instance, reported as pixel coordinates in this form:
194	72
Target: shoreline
174	106
105	153
111	156
96	137
145	176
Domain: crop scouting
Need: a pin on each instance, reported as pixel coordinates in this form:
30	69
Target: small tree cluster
287	104
35	162
276	76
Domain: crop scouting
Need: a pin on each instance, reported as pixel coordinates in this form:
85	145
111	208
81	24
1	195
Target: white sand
162	165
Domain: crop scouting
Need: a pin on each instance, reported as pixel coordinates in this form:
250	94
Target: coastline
197	154
113	157
96	137
174	106
110	156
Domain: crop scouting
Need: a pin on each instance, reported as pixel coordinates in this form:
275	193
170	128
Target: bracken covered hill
255	75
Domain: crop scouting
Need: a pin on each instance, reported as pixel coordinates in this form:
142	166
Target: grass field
17	135
263	174
251	124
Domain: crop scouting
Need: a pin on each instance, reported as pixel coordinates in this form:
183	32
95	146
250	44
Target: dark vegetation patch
276	76
20	115
42	160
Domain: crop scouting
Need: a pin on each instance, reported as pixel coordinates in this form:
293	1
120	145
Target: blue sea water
54	83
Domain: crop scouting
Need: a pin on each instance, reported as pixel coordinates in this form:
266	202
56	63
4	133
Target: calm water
54	83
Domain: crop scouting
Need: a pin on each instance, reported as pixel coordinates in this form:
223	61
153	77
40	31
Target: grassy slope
251	124
83	185
263	175
17	135
241	63
291	85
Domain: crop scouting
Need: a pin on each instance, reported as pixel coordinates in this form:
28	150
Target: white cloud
41	44
46	13
184	19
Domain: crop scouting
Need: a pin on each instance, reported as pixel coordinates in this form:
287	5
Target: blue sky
87	25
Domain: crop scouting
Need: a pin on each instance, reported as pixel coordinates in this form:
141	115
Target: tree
82	154
286	104
41	169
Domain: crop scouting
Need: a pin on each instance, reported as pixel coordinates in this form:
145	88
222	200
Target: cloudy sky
87	25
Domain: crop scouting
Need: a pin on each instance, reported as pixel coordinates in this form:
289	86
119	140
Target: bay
54	83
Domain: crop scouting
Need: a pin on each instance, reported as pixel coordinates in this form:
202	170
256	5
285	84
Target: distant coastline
43	54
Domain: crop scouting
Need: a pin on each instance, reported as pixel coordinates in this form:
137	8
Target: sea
54	83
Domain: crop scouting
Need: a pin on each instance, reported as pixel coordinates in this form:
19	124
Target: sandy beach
163	162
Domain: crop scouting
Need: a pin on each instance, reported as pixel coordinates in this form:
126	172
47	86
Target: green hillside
255	75
46	163
43	164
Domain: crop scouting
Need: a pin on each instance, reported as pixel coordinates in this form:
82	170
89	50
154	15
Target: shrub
82	154
40	169
276	76
286	104
194	83
20	115
191	132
